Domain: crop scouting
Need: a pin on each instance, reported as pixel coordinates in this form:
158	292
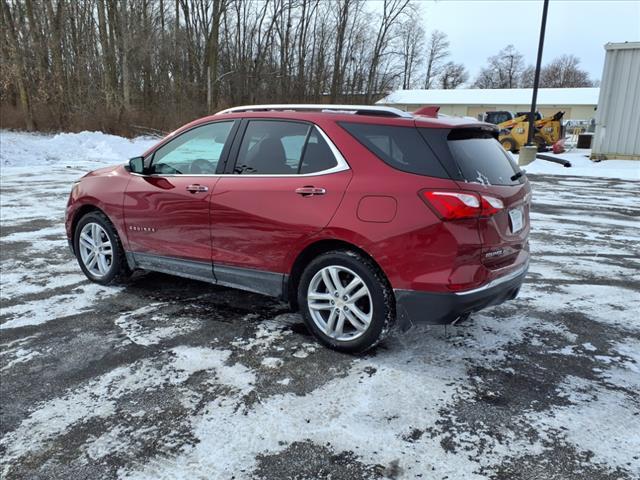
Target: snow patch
331	414
268	333
55	307
601	302
145	327
97	398
20	149
272	362
582	166
20	355
593	421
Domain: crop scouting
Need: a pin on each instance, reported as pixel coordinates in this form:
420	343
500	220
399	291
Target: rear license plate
516	220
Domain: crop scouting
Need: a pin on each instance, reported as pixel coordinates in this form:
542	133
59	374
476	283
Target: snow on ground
33	160
582	166
37	173
70	150
172	378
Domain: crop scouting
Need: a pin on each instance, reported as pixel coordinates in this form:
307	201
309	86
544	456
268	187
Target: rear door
167	211
285	185
477	162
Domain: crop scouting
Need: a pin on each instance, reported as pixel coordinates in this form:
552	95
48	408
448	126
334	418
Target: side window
402	148
271	147
293	148
194	152
388	145
317	154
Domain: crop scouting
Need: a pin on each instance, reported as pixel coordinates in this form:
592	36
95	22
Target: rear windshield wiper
517	175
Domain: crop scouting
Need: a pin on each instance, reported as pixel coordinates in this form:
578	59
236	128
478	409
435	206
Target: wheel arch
312	251
119	255
81	212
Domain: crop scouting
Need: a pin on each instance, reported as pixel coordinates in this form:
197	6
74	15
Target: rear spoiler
473	130
428	111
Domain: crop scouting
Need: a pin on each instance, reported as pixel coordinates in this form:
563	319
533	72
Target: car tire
346	301
104	261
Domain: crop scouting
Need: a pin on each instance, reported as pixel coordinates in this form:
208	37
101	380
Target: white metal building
577	103
617	132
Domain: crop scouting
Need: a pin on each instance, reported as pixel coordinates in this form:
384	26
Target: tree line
115	65
507	69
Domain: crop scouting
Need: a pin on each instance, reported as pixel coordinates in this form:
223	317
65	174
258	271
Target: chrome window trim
342	165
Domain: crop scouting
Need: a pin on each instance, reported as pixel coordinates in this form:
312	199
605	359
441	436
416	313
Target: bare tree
391	12
453	75
18	72
213	49
125	45
561	72
412	41
504	70
527	77
437	51
343	10
111	64
308	10
564	72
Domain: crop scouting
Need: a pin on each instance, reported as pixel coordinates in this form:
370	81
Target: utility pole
536	79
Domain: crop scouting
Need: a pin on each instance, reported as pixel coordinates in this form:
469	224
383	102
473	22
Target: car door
167	211
285	185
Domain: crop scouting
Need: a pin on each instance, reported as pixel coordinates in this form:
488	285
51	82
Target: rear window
472	155
402	148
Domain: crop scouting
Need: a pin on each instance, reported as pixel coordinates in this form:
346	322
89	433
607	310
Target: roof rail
355	109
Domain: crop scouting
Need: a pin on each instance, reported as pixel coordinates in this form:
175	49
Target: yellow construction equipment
514	133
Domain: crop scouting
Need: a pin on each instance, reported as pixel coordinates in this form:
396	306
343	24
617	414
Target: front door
286	185
167	211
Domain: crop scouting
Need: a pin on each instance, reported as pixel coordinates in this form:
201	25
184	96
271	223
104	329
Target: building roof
622	46
493	96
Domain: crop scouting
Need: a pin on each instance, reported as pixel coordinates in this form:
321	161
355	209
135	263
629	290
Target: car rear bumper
442	308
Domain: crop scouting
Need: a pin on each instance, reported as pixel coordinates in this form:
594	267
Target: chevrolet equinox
363	218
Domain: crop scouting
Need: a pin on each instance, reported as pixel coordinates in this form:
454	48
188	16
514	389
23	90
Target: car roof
319	114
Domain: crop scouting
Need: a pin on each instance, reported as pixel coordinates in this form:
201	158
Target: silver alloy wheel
96	250
340	303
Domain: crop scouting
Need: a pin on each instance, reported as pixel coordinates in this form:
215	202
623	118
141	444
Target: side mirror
136	165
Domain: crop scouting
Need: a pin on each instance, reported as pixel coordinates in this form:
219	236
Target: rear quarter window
472	155
402	148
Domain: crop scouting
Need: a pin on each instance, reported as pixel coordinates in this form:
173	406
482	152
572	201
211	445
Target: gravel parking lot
171	378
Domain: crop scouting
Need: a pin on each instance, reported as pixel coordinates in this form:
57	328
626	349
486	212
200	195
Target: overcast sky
478	29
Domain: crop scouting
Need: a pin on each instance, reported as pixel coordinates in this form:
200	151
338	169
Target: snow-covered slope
19	149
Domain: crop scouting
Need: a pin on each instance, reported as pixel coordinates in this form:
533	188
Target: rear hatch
475	160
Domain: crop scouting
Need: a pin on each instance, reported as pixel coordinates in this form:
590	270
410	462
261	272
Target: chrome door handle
308	191
197	188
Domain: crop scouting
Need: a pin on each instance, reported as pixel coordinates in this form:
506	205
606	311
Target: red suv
364	218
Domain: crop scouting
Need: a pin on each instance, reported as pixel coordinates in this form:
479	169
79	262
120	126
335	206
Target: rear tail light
453	205
490	205
450	205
